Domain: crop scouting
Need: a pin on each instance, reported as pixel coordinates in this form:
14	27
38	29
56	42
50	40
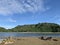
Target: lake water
18	34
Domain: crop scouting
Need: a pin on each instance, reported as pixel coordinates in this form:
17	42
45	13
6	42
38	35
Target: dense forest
40	27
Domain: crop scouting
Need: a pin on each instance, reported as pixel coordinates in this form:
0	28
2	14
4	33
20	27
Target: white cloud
11	20
8	20
7	26
9	7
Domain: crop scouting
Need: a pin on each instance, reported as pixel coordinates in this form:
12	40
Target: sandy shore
34	41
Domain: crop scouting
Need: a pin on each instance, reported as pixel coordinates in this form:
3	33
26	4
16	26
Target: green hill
40	27
3	29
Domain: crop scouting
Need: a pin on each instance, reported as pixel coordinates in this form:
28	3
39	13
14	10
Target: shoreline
30	32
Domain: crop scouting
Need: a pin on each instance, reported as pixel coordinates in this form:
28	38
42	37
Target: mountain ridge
40	27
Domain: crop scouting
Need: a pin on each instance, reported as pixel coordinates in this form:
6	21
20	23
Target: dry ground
34	41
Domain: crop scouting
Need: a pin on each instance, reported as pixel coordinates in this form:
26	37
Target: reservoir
27	34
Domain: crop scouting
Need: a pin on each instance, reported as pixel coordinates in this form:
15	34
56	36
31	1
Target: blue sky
21	12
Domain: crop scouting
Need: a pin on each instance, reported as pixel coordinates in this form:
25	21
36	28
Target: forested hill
40	27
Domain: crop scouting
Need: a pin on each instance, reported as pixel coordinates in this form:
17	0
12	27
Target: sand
34	41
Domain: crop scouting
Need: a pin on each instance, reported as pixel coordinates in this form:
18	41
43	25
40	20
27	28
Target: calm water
17	34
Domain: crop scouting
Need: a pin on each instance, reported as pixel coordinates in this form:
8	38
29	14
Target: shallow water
18	34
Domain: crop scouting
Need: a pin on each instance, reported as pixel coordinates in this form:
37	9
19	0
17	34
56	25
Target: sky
23	12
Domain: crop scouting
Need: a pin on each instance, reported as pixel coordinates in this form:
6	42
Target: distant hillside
3	29
40	27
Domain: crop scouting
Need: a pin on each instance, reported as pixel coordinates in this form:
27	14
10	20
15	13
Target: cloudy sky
21	12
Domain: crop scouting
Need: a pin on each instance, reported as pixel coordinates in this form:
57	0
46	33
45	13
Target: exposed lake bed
32	41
